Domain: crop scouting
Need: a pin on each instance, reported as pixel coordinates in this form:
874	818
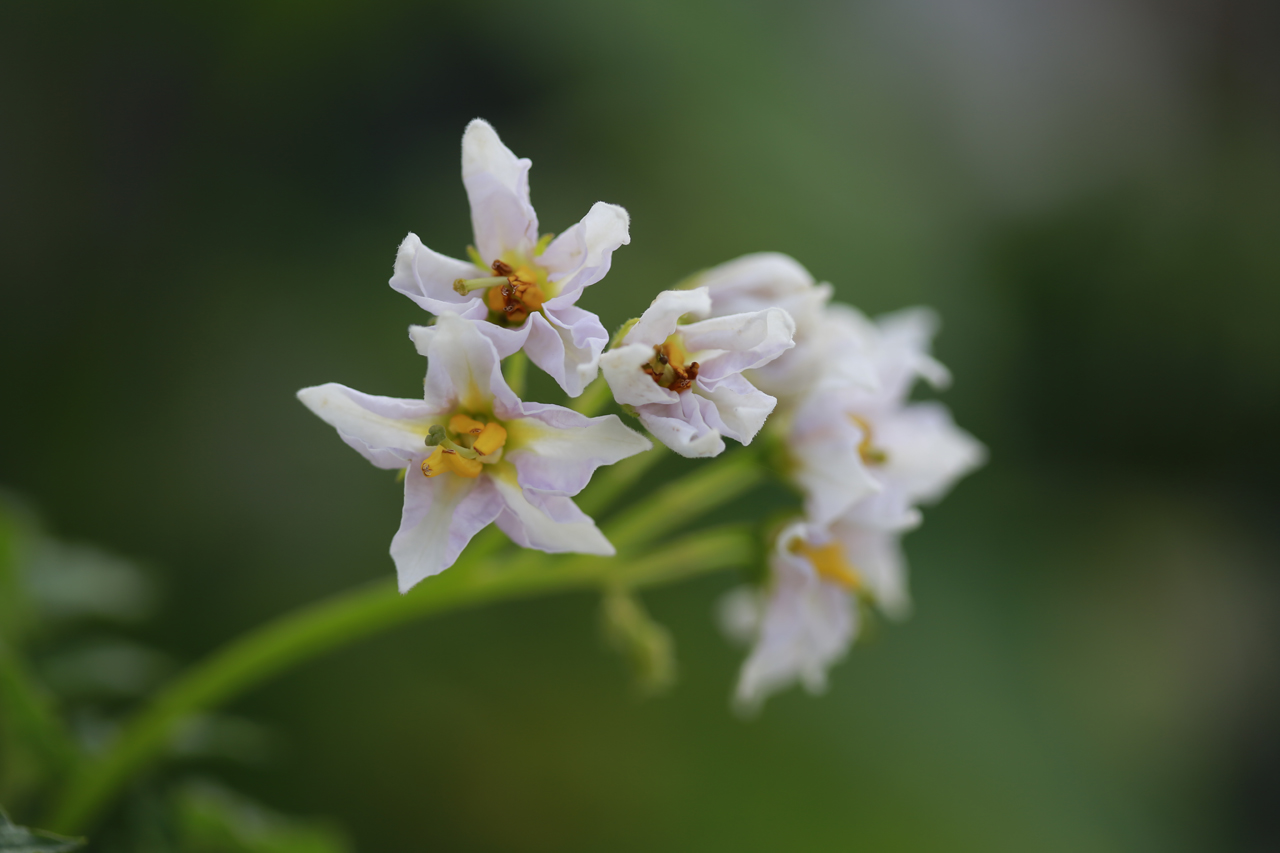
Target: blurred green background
199	207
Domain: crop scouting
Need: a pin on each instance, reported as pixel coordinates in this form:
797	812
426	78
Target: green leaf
213	819
19	839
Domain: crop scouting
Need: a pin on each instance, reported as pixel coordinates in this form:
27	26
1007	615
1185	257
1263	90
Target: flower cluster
862	455
754	344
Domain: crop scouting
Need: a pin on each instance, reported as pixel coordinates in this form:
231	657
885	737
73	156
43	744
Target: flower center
871	455
464	447
670	365
830	563
515	290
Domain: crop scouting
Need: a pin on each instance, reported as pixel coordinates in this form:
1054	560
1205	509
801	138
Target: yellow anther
433	465
492	437
461	466
442	459
830	563
463	425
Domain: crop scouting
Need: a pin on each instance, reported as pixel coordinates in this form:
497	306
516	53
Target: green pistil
466	285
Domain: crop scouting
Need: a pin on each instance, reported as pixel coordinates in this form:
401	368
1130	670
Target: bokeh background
199	207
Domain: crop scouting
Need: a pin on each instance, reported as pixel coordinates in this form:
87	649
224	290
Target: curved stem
316	628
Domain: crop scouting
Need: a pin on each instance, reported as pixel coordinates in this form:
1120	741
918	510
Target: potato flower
684	380
520	289
474	453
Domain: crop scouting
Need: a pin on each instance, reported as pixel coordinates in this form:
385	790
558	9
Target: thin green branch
609	484
312	630
676	504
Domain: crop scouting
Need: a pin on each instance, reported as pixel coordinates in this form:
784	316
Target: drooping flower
806	616
474	453
684	380
519	289
866	452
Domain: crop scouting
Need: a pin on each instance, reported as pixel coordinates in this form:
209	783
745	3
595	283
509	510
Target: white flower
476	454
517	288
685	380
807	616
865	451
824	350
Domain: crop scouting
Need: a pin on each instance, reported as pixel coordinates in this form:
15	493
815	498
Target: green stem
312	630
607	485
676	504
515	369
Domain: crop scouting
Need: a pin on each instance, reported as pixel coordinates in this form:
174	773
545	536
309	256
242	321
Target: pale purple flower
684	380
518	289
806	616
493	458
866	452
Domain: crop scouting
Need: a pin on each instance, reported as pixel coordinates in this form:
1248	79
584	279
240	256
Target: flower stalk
478	578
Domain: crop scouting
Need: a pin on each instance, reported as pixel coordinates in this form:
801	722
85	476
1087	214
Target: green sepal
474	256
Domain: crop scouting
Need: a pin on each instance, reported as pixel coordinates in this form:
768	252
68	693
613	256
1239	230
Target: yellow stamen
830	563
469	468
492	437
443	459
433	465
871	455
463	425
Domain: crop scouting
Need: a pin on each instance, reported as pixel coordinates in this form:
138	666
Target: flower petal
440	516
630	385
531	527
738	409
682	427
582	255
877	557
566	343
556	450
745	341
463	368
829	469
427	278
658	322
498	187
807	626
388	431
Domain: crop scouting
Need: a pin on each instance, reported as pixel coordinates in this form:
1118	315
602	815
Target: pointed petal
926	451
582	255
877	557
737	409
681	427
807	626
463	368
556	450
498	187
566	343
530	527
427	278
630	385
388	431
658	322
440	516
829	468
746	341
